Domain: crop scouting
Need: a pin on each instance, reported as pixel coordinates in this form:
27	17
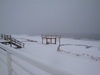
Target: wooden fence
9	53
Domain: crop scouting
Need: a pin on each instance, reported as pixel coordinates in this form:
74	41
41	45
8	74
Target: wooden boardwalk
7	39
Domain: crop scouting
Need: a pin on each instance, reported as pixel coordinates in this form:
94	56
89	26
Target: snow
76	57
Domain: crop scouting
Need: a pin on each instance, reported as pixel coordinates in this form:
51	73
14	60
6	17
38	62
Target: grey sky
50	16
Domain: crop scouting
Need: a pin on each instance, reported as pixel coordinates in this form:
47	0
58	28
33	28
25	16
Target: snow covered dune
76	57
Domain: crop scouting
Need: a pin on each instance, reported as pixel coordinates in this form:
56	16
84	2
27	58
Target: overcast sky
50	16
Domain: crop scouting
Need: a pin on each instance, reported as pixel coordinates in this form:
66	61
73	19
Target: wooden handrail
12	40
52	70
56	36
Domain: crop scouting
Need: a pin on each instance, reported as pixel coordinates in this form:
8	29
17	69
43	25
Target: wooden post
42	40
58	49
55	40
4	37
9	68
7	37
1	36
46	41
59	41
51	40
23	45
10	41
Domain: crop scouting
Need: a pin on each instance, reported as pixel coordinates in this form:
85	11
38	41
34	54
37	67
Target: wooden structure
7	39
51	39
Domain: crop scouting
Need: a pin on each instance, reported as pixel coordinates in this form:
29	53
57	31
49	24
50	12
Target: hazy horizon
50	17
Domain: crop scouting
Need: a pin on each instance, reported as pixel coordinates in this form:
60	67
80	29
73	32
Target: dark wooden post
10	41
6	37
59	41
42	40
1	36
51	40
55	40
46	40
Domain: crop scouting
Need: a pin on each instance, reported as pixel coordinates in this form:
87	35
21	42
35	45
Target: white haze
50	16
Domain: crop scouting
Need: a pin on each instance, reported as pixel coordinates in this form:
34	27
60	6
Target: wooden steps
7	39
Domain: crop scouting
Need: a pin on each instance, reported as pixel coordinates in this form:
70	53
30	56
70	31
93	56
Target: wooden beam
51	41
55	40
46	40
59	41
42	40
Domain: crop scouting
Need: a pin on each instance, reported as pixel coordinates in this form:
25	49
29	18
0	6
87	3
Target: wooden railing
9	53
12	40
51	36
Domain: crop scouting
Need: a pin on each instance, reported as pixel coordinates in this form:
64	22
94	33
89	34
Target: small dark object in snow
31	40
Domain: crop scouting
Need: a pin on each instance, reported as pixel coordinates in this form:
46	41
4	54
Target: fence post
23	45
1	36
10	41
42	40
7	37
59	41
9	63
4	37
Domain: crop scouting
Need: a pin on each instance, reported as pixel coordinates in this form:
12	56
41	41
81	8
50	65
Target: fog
50	16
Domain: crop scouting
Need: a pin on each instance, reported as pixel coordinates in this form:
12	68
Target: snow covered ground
76	57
